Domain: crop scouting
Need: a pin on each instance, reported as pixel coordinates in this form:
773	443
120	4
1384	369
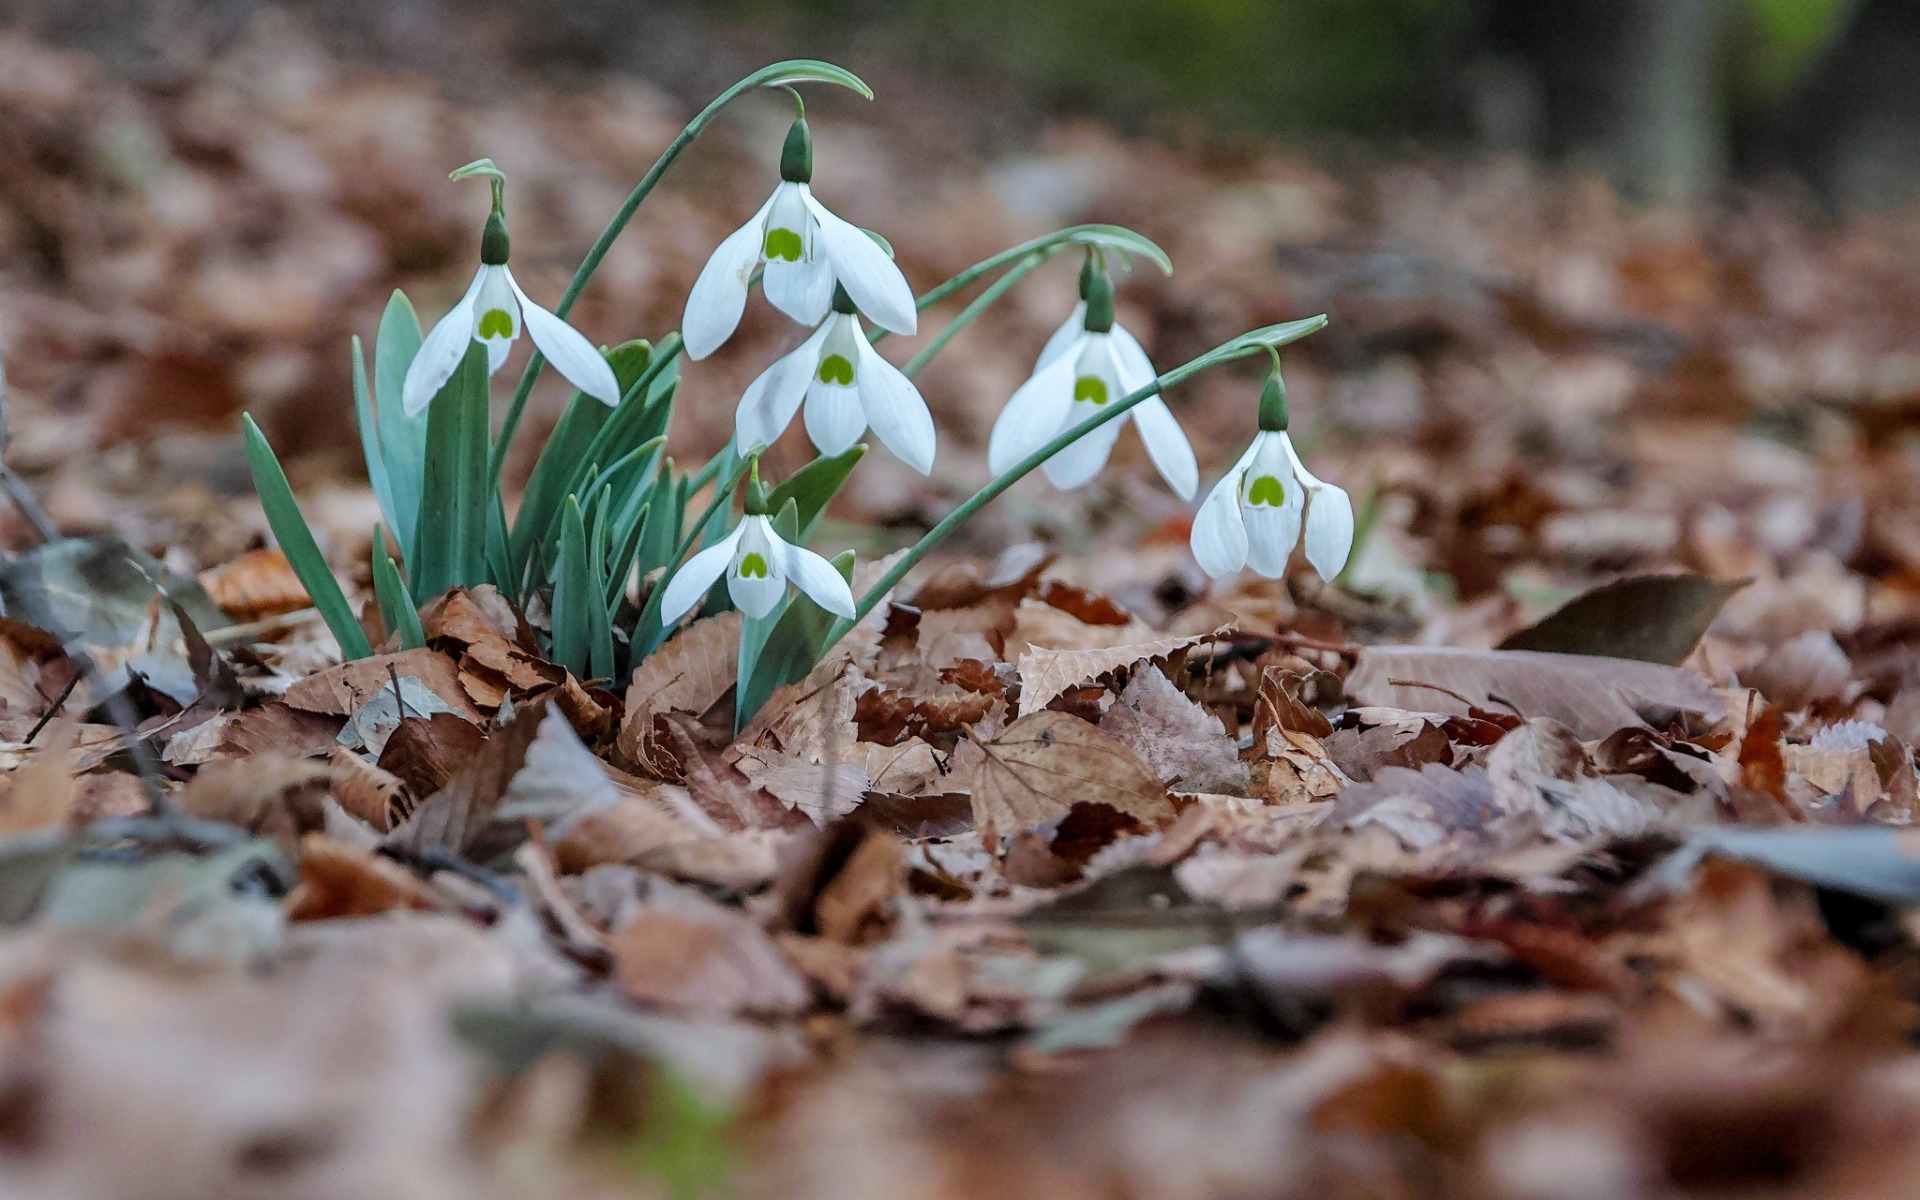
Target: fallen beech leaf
1592	696
42	792
337	880
260	583
424	752
1651	618
109	794
624	831
533	769
1834	771
686	953
1186	745
1044	764
811	719
719	788
1045	674
1811	667
1043	626
472	615
365	791
689	674
272	795
823	791
278	728
340	691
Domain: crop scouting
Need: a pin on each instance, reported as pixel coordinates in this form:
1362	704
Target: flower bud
1099	294
1273	404
494	245
796	157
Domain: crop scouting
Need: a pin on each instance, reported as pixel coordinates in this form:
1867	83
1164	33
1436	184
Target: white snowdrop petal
1168	447
896	410
441	351
816	577
690	583
1136	369
571	354
1272	533
768	405
1219	538
873	281
1329	533
802	290
497	352
1080	460
1034	414
1064	337
719	295
757	578
834	417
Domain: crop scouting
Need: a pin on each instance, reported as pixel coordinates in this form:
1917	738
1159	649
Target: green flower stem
981	303
1246	345
778	75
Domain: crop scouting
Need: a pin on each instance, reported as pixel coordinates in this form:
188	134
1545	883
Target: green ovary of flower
835	368
784	244
752	567
1090	389
495	322
1267	490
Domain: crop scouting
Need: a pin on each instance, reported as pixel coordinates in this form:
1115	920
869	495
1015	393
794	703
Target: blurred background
1615	284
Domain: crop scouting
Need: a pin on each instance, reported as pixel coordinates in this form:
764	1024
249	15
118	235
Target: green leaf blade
296	542
456	493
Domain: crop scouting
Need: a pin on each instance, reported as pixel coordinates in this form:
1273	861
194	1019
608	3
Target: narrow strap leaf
296	542
456	496
396	606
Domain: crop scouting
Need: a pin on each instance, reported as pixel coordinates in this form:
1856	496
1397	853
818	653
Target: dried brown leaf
688	675
1591	696
1046	763
341	690
1045	674
260	583
1184	744
338	880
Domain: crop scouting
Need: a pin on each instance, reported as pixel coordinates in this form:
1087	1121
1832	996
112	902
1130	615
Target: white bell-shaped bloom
1078	374
491	313
1252	517
806	250
847	386
758	565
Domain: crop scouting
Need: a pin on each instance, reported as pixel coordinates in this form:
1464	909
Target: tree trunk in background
1670	144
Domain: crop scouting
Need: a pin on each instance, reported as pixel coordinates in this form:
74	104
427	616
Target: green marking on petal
1090	389
1266	490
495	322
835	368
784	244
753	567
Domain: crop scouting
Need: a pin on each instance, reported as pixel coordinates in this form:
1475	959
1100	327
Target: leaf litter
1587	872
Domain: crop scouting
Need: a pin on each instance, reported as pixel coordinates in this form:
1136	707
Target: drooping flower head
1088	363
1253	516
805	250
491	313
758	564
847	386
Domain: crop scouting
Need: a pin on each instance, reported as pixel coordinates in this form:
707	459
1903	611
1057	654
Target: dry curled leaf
688	675
1046	763
1045	674
1186	745
260	583
1591	696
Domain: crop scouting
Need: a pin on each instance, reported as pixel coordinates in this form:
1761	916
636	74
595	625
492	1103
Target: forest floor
1067	874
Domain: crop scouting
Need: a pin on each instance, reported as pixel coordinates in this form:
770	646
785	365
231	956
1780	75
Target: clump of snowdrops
605	506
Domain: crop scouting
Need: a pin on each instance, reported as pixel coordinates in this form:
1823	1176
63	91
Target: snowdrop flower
491	313
806	250
1252	517
847	386
758	565
1087	364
